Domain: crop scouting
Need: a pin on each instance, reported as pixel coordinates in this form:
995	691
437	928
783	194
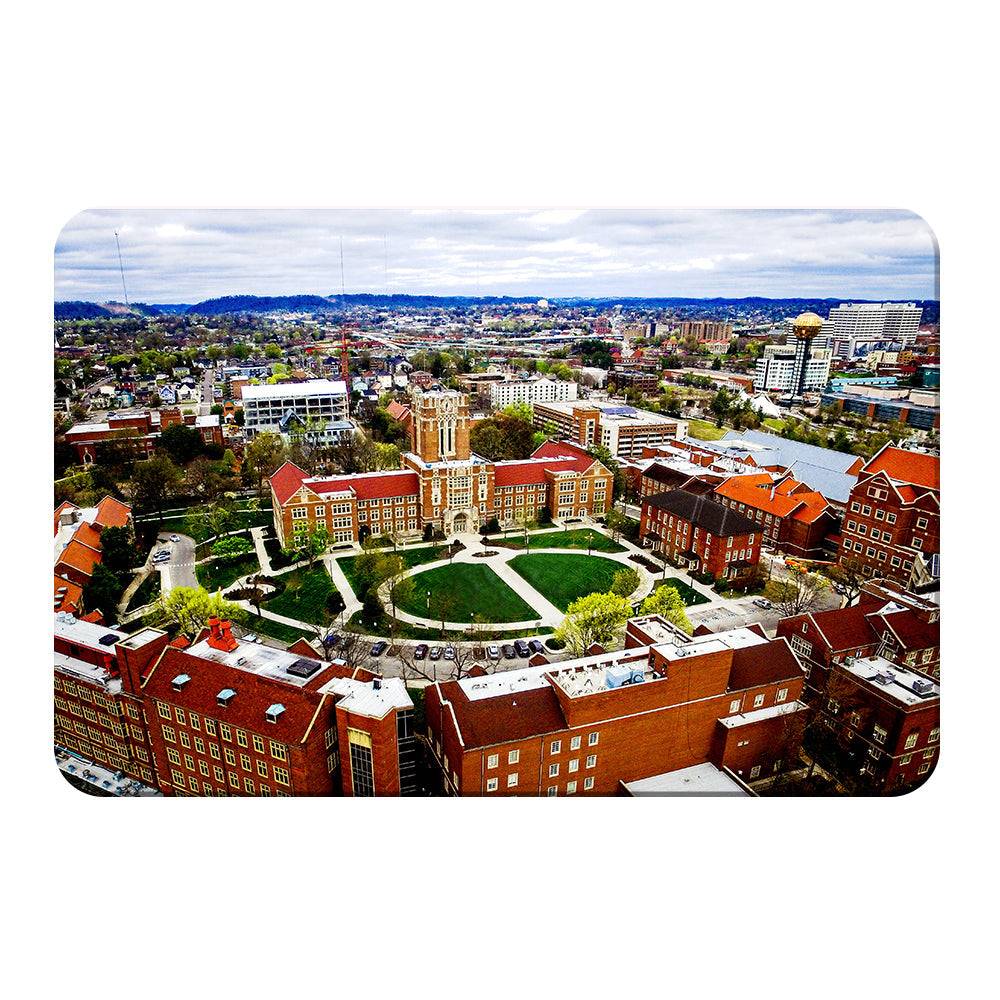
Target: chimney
221	636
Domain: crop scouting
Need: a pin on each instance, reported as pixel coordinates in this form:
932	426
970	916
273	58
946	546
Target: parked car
522	647
493	652
508	652
379	647
333	640
175	538
420	652
251	637
449	652
535	646
763	602
435	653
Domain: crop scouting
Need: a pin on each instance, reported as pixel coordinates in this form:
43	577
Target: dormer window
225	696
274	712
179	681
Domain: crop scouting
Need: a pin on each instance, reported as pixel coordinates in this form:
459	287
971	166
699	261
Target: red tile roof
758	491
370	486
112	513
79	556
529	472
906	466
70	599
563	449
845	628
518	716
286	480
88	535
64	506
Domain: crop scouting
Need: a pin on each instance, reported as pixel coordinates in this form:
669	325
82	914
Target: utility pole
121	266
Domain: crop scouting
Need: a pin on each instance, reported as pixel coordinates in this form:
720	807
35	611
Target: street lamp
428	600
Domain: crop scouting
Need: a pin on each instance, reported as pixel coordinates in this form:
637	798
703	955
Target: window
492	760
513	756
734	706
588	783
574	765
923	769
262	768
574	743
782	694
555	746
755	772
258	744
164	710
592	760
230	756
570	787
934	735
758	700
512	780
491	784
241	737
879	734
553	770
592	739
552	791
281	775
911	741
278	751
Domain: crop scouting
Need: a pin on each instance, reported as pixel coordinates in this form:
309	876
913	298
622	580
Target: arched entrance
460	523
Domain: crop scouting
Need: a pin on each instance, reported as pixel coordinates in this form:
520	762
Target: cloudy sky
190	255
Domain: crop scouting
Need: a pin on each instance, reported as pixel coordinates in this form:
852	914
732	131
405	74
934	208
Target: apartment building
531	391
862	326
892	527
589	726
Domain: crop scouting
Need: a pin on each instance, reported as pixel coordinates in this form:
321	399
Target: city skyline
173	256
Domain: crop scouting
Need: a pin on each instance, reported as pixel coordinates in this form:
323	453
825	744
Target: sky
175	255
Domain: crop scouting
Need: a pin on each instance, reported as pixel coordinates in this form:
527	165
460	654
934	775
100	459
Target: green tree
625	582
182	443
103	591
118	550
154	482
596	618
189	609
263	456
667	602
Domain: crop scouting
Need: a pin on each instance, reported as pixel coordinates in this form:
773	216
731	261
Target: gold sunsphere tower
805	327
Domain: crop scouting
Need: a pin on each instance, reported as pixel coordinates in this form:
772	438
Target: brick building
698	533
893	521
791	516
442	483
77	546
666	702
137	430
235	718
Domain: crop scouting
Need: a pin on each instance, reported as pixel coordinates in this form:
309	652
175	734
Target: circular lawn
463	590
563	578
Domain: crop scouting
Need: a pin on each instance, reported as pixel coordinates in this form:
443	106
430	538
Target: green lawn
562	579
193	526
276	630
689	595
705	430
775	423
410	557
572	538
308	603
220	573
471	590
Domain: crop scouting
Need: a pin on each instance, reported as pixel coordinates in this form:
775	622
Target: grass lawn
410	557
220	573
194	526
689	595
570	538
775	423
382	628
472	590
562	579
705	430
276	630
308	603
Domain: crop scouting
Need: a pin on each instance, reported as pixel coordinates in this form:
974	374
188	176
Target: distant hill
106	310
261	304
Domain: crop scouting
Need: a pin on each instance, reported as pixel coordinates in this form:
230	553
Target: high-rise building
539	390
319	407
861	326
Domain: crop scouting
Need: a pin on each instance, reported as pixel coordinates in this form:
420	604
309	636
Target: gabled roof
112	513
530	471
788	499
566	449
69	599
79	556
906	466
87	535
710	515
286	480
369	485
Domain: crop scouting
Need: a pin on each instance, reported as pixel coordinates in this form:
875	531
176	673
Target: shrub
232	547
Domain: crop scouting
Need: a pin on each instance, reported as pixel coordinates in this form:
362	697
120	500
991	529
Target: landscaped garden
305	595
569	538
461	591
410	557
196	527
705	430
221	573
564	578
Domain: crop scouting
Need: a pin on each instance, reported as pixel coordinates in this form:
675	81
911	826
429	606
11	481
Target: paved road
179	571
207	382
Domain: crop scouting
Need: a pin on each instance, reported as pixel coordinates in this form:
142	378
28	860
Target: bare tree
798	593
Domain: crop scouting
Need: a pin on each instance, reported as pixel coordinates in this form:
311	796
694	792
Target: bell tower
441	427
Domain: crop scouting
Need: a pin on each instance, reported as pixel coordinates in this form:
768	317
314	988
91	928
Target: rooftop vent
179	681
303	667
225	696
273	712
